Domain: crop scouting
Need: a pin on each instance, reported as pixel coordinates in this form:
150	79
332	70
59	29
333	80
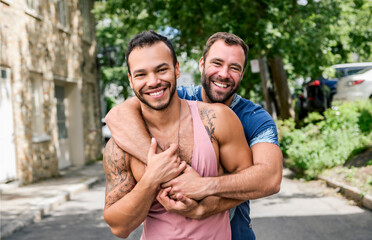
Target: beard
161	106
218	97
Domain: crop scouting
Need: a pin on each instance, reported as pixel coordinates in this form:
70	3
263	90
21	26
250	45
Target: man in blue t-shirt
222	68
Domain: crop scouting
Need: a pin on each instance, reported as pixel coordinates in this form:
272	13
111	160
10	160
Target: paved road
300	211
309	210
78	219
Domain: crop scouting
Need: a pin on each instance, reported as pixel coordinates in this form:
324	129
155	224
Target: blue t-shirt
259	127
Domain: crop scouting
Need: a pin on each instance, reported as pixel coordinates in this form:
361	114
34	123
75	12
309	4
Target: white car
355	87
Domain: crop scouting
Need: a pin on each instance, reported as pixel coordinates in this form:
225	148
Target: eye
139	75
216	63
162	70
235	69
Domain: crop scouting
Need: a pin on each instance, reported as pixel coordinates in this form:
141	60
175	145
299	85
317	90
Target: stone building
49	92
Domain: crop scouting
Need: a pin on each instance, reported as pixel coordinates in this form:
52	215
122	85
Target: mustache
219	79
155	87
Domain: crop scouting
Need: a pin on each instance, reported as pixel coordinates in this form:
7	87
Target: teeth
156	93
220	85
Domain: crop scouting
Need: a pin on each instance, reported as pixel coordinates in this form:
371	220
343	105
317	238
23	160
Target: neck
161	119
207	100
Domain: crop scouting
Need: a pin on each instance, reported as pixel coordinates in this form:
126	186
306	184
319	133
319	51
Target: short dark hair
148	38
230	39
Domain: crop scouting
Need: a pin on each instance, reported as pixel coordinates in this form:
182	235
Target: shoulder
115	114
246	110
217	108
258	124
217	111
219	118
245	106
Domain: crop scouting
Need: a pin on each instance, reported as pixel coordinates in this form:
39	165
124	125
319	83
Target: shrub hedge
328	140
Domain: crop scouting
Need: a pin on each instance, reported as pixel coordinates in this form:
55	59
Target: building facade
49	92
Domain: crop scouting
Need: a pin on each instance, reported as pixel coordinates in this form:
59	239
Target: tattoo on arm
119	178
207	115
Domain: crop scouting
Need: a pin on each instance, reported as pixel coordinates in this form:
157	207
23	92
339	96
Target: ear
130	80
177	70
201	64
241	78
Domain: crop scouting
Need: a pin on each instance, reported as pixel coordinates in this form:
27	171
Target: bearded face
217	89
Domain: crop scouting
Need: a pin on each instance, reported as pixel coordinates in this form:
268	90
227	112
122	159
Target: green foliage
118	76
308	37
110	103
369	163
325	142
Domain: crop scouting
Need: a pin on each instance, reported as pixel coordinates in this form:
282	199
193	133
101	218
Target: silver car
355	87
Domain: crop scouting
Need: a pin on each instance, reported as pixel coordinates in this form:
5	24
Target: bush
326	141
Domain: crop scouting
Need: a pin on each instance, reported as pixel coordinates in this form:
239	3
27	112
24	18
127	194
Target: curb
351	192
46	207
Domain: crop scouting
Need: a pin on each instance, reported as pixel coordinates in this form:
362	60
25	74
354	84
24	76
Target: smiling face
221	72
153	75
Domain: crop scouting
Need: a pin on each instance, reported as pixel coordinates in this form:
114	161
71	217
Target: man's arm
260	180
190	208
234	154
128	129
126	202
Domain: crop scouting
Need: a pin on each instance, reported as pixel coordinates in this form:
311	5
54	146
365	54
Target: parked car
105	131
317	95
355	87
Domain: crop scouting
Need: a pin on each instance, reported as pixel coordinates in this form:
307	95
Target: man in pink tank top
208	138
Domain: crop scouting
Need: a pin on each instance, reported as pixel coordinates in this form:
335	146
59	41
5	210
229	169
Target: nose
153	80
224	72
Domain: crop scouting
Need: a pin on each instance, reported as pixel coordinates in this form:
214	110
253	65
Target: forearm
251	183
128	130
260	180
126	214
212	205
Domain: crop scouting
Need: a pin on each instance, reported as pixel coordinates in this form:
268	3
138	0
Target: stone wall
35	45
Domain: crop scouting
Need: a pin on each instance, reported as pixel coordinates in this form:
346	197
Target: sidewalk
21	206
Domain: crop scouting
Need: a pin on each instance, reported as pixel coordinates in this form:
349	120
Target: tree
298	37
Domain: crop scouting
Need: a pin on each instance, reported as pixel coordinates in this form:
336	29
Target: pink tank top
162	225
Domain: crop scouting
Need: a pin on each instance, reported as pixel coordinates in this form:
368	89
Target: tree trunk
281	87
264	74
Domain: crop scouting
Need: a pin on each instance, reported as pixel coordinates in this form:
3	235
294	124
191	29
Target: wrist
198	212
149	181
210	185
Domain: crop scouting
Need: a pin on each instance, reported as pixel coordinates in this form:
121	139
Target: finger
162	196
187	169
172	149
162	201
167	184
182	166
167	190
153	146
185	200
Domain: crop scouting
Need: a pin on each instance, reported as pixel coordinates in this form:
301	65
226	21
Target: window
91	107
33	4
85	7
37	105
32	9
62	13
61	112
